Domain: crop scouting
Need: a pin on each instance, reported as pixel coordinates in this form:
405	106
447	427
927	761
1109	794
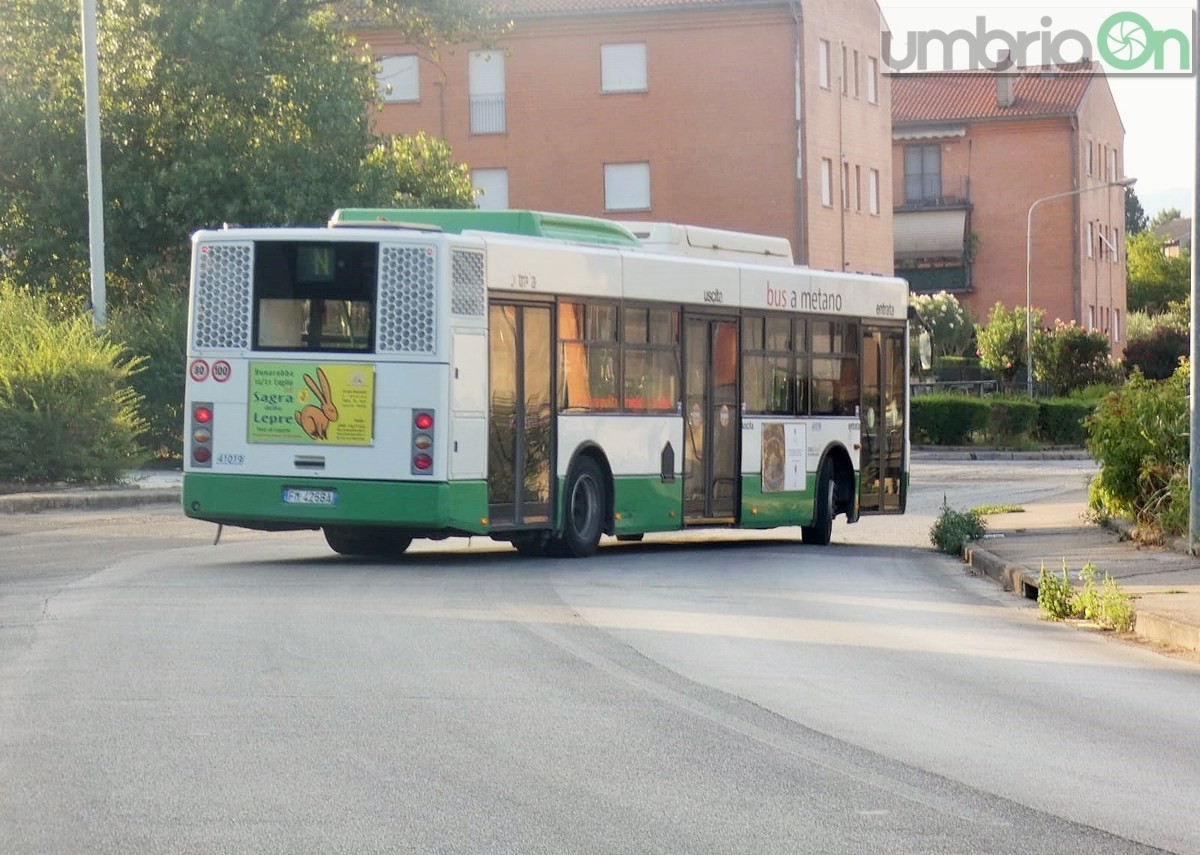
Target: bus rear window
315	296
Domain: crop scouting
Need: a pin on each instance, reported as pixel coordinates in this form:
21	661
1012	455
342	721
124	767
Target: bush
1011	418
952	529
1140	438
1158	355
1069	357
157	333
948	419
1060	421
67	410
1106	605
1055	596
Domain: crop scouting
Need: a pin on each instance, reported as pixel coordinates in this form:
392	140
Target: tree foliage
1154	279
1135	216
1002	342
254	112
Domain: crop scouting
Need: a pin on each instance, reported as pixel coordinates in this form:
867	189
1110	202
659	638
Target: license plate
298	496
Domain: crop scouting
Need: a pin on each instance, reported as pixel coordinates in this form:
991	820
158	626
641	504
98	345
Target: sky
1158	111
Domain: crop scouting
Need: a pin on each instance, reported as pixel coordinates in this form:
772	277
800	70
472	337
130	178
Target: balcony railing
922	194
487	114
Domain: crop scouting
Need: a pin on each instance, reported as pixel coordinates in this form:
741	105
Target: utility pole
1194	387
95	190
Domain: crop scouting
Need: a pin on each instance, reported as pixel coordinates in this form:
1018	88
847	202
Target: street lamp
1125	183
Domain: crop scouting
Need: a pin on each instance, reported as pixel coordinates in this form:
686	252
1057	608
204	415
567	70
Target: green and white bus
537	378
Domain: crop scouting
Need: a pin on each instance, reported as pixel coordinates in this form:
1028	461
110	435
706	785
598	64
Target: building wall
1102	289
717	123
1014	163
844	127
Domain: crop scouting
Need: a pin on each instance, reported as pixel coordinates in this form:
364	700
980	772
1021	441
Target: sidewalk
144	487
1164	582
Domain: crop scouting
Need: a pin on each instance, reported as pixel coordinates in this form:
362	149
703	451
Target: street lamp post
1123	183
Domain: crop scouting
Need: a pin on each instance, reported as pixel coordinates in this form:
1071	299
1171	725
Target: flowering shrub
950	329
1069	357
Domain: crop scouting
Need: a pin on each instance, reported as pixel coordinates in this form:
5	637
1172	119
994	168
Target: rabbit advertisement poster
310	403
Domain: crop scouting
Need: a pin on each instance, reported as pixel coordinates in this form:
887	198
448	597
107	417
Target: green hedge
1011	418
958	369
948	419
1061	420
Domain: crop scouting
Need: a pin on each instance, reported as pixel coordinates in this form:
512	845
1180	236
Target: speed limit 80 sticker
198	370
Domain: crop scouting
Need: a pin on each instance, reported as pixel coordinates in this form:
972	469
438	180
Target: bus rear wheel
821	530
583	517
366	541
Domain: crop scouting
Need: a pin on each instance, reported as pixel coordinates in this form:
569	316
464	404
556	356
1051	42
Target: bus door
884	405
712	424
520	415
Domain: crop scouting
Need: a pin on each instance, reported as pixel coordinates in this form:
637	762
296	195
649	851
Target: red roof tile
962	95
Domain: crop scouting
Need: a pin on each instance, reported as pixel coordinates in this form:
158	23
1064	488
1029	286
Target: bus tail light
200	436
422	442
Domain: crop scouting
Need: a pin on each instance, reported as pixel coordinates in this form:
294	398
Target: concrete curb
32	503
1015	578
1023	581
983	454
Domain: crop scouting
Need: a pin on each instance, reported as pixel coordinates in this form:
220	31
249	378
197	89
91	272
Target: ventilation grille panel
406	300
221	303
466	284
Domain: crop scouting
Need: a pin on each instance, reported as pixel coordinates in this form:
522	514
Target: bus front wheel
366	541
583	517
821	530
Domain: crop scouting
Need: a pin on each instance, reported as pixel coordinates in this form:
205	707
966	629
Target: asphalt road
747	694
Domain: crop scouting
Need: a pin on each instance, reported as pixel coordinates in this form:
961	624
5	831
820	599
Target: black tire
583	510
821	530
367	541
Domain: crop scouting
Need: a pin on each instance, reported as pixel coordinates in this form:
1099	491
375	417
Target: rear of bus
320	383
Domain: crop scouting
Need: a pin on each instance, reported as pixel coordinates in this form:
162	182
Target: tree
1135	216
1163	217
1002	342
253	112
1154	280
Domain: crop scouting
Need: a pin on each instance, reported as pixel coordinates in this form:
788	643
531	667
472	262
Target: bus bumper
456	507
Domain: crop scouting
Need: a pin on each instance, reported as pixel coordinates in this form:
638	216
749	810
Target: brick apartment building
973	151
754	115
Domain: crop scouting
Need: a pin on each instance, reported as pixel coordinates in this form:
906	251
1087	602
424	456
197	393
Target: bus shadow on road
491	556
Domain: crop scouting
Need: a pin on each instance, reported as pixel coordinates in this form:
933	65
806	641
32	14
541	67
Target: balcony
931	193
488	114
